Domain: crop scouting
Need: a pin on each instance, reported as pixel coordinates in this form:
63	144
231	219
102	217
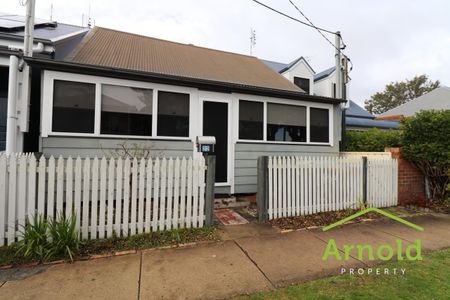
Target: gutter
199	83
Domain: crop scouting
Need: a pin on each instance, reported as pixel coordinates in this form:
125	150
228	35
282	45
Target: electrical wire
321	33
292	18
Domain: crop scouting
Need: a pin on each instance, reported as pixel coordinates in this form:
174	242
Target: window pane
126	110
251	117
319	125
173	114
302	83
286	123
73	106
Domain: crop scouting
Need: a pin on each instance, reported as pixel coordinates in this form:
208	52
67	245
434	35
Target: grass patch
426	279
9	255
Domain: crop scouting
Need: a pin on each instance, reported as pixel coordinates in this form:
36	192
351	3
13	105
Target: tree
397	93
426	143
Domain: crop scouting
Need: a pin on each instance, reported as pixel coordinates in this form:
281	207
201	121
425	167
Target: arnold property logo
366	252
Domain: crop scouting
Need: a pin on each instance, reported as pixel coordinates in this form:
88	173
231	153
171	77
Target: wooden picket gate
125	196
302	185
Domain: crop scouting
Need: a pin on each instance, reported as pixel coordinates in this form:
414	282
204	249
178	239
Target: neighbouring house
51	40
324	84
438	99
357	118
298	71
117	87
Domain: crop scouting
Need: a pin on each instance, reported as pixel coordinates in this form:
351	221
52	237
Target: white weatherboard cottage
117	87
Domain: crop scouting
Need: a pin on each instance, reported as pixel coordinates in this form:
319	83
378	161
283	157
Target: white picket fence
127	196
300	185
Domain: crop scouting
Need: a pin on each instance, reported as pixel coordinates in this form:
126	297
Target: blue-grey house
54	41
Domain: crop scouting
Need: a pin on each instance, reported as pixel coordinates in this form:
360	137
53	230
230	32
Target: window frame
306	104
49	78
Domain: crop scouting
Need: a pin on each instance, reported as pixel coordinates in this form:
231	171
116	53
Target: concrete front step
231	202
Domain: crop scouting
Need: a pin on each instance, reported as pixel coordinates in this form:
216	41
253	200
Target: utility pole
340	86
338	60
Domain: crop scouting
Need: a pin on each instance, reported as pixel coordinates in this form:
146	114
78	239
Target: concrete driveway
251	258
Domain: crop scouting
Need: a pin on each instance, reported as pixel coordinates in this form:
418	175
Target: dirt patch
319	219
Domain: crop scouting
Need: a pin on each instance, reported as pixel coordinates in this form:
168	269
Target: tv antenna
252	40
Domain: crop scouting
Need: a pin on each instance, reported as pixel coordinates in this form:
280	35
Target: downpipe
11	121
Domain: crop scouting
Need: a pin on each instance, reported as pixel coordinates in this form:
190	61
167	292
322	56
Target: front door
215	123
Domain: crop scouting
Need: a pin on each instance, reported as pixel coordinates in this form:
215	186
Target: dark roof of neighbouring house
282	67
355	110
115	49
45	30
438	98
324	74
370	123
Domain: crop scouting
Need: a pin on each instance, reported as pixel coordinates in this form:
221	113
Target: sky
386	40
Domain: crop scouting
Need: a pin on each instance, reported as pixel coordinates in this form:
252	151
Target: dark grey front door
215	123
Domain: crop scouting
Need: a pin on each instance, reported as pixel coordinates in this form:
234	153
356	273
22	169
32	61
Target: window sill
282	143
112	136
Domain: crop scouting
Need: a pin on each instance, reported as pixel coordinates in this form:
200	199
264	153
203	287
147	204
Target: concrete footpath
250	258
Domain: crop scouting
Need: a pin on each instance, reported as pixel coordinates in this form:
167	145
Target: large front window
286	123
251	120
173	114
126	110
319	125
73	107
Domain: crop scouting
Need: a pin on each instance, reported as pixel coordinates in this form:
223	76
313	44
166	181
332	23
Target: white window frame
47	114
305	104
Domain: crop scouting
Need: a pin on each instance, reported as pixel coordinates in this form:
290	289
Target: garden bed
319	219
117	245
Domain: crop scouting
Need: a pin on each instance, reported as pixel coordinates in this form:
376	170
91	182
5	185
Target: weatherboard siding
74	146
248	153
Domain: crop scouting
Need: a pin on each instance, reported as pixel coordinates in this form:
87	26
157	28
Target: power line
310	22
321	33
292	18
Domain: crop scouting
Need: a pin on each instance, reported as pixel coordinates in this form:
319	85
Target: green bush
34	239
64	236
426	140
44	240
372	140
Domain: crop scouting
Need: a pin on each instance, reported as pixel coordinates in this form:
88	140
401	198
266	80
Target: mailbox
205	144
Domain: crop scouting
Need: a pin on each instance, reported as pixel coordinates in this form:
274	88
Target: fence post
263	186
364	179
210	180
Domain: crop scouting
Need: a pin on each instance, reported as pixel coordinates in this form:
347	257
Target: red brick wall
411	182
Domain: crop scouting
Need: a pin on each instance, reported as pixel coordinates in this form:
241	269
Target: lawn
427	279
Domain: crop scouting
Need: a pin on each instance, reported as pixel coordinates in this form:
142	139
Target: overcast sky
386	40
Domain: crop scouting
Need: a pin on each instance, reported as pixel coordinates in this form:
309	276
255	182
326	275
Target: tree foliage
397	93
426	143
372	140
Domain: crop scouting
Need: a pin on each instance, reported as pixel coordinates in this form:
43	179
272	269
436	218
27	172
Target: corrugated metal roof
357	111
369	123
324	73
438	98
116	49
282	67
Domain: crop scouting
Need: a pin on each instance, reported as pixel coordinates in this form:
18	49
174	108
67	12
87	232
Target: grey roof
324	73
44	30
370	123
357	111
282	67
438	98
276	66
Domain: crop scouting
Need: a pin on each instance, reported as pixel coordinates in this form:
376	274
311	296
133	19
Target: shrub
64	237
426	140
34	240
46	240
372	140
